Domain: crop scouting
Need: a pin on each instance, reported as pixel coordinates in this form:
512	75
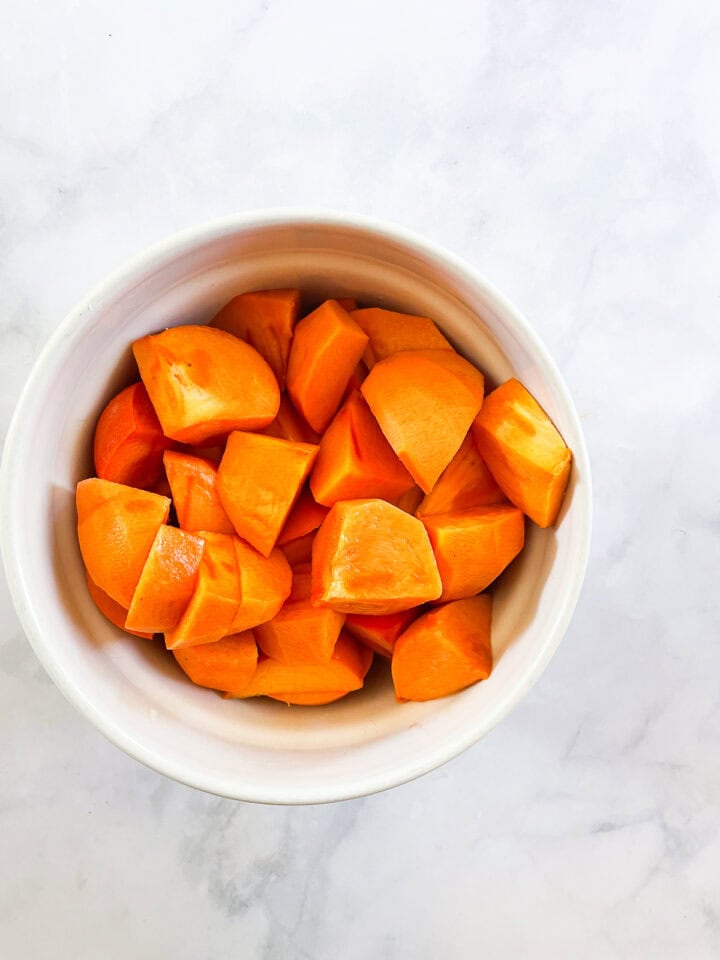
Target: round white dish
130	689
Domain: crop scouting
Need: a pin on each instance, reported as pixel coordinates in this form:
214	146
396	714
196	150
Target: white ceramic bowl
130	689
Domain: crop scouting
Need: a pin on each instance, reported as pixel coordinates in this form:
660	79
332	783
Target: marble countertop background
572	151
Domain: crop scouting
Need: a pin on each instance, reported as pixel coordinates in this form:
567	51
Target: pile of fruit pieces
339	488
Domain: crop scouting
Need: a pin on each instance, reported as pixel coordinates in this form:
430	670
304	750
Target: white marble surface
571	150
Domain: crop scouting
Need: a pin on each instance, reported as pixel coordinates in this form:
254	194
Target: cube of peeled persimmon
425	402
265	584
524	451
379	633
227	663
129	442
355	461
193	483
326	348
473	547
167	581
299	550
265	319
300	633
371	557
392	332
289	425
306	516
192	376
259	480
310	683
209	615
465	483
116	528
444	650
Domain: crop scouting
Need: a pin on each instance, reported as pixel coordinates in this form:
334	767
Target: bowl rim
153	257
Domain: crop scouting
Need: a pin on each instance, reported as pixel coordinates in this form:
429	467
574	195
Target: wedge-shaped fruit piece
379	633
444	651
344	671
265	319
265	584
193	482
355	460
204	383
299	550
306	516
259	480
466	482
391	332
116	527
424	401
167	581
372	557
300	633
211	611
473	547
111	609
525	453
227	663
289	425
326	348
129	442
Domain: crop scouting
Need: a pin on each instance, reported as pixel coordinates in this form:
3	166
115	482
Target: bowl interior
132	689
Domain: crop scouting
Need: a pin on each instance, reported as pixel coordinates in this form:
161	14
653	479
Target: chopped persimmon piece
473	547
129	442
193	482
326	348
379	633
524	451
466	482
345	670
210	613
265	319
355	461
306	516
300	633
167	581
424	401
227	663
289	425
259	480
204	383
265	583
392	332
372	557
116	527
299	550
110	609
444	650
